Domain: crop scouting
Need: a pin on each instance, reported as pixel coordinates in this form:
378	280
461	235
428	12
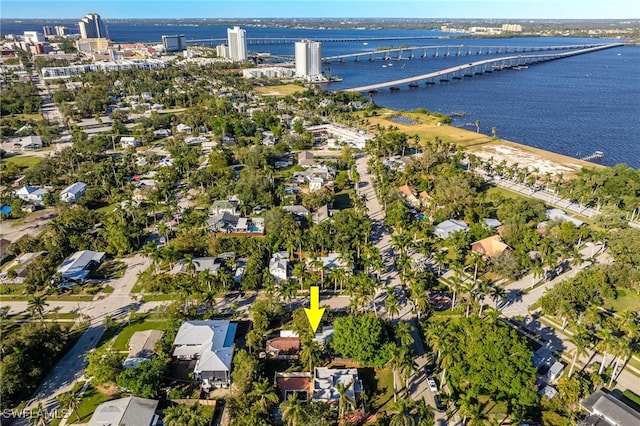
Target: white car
432	384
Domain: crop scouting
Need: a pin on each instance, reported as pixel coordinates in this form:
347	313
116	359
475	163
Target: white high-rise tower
237	44
92	26
309	59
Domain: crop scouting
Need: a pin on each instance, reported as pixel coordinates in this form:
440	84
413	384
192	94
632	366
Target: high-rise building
174	43
237	44
61	31
34	37
92	26
309	59
48	31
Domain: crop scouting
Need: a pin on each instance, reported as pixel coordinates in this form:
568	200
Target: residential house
290	383
30	142
410	195
129	411
183	128
297	210
80	264
211	264
324	335
491	223
223	206
72	193
142	347
161	133
23	262
283	347
333	260
32	194
489	247
607	410
305	159
223	222
279	265
129	142
228	140
321	214
445	229
210	343
315	184
325	381
557	214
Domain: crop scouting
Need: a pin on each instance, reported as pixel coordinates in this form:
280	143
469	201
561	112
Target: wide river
573	106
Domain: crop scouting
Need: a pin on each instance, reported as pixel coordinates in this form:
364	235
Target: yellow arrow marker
315	313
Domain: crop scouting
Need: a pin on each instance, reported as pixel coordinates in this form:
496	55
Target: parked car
433	386
439	405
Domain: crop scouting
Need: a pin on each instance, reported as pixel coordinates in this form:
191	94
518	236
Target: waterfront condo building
92	26
309	60
174	43
237	43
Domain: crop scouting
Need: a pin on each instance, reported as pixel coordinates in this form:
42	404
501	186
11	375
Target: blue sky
499	9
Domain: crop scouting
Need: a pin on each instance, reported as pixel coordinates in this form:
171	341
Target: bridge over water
398	53
290	40
479	67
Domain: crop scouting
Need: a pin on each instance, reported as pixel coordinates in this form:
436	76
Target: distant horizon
255	18
327	9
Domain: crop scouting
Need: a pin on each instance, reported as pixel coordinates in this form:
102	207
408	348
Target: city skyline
428	9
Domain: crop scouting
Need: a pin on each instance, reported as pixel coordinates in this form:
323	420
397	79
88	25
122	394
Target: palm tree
403	332
265	395
293	412
581	341
391	303
36	305
401	414
300	272
424	413
345	400
311	354
70	401
191	265
185	415
606	344
439	257
497	294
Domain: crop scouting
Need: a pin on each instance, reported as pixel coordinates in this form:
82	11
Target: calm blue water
573	106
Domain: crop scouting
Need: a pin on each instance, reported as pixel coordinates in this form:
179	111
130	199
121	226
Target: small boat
413	85
390	65
394	88
365	44
384	66
373	91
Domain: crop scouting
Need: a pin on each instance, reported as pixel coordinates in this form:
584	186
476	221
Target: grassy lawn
23	160
492	407
280	90
157	297
379	385
122	341
495	191
111	269
108	208
90	400
626	301
107	289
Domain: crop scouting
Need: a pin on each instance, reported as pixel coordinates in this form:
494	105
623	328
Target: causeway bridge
481	67
291	40
403	53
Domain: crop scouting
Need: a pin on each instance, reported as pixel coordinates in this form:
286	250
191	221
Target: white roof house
129	141
326	379
32	194
279	265
184	128
72	193
130	411
448	227
31	142
557	214
211	343
77	266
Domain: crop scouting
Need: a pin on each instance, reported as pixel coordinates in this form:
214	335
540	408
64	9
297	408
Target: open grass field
23	161
280	90
90	401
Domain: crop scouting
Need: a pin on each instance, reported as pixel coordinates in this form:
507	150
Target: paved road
518	304
71	367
